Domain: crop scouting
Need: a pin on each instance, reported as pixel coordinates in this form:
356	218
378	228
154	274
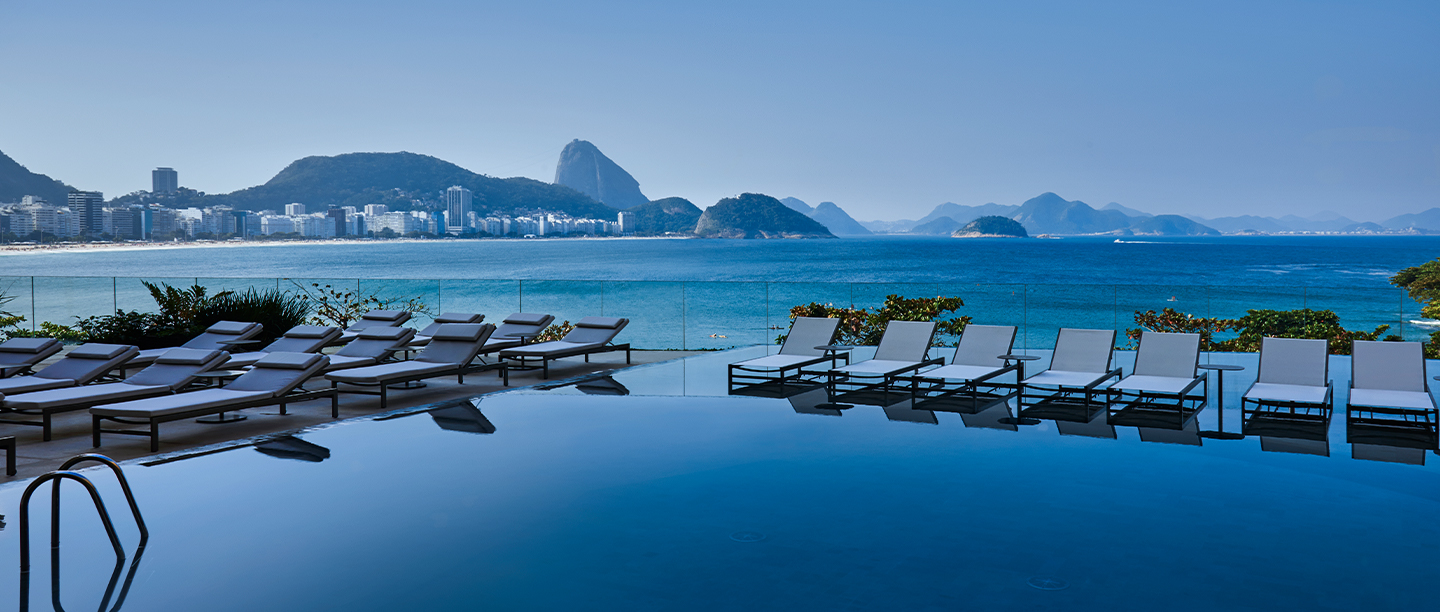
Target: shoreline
86	247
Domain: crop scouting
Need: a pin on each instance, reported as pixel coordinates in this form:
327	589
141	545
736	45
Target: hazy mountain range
589	184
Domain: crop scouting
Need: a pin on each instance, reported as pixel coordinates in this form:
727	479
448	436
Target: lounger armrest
1117	373
1012	367
1196	381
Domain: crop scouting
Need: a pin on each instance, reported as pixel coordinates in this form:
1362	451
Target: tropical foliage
863	327
1422	282
341	307
1255	325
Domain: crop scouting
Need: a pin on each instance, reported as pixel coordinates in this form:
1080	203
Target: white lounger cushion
1382	398
81	365
876	367
959	372
179	402
342	362
1273	392
389	371
1062	378
106	393
31	384
546	348
28	346
777	361
1154	384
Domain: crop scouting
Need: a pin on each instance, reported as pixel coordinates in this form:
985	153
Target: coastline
88	247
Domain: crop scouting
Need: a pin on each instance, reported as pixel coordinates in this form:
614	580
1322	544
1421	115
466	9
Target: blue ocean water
721	293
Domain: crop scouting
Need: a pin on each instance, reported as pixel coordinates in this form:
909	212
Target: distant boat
1172	299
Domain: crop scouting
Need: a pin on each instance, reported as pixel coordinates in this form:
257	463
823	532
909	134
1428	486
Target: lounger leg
627	356
282	408
587	357
154	437
334	405
382	396
9	445
544	371
95	431
45	419
505	373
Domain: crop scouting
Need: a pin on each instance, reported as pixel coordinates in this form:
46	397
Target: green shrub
861	327
1255	325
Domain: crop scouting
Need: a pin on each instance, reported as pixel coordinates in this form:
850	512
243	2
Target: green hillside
754	215
993	226
666	215
17	182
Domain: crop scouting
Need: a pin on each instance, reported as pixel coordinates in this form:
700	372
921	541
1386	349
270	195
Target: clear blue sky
1210	108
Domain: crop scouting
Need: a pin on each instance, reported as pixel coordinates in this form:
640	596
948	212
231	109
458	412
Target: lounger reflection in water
172	371
773	372
20	355
591	335
1079	371
275	379
903	350
298	339
969	383
1161	391
80	366
450	352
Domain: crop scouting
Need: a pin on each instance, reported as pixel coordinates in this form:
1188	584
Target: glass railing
714	315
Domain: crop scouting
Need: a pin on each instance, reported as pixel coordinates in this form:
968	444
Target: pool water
650	490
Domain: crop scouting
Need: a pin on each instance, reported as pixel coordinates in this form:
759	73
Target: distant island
753	215
993	226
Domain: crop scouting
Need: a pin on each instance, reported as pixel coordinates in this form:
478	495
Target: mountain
992	226
1048	213
889	227
1327	224
1231	225
965	214
1367	227
668	215
396	179
1170	225
944	226
16	182
753	215
1429	219
1129	212
797	205
837	220
585	169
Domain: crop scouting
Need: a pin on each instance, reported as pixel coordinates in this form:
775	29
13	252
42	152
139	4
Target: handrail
124	487
57	476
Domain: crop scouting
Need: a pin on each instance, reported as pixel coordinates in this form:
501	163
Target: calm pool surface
649	491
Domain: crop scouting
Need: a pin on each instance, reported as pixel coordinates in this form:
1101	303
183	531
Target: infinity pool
642	492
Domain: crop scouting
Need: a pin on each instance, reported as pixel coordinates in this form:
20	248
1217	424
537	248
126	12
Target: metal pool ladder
55	477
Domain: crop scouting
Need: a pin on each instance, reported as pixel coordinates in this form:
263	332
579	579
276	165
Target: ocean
686	293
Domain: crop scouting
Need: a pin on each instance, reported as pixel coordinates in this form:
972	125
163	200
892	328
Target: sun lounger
423	336
218	337
1293	384
903	349
1079	369
299	339
274	379
591	335
450	352
21	355
1159	391
1389	389
172	371
80	366
797	353
980	358
370	347
516	330
374	318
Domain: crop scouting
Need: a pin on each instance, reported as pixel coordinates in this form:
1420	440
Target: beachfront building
88	205
375	210
164	180
625	222
294	210
34	214
457	204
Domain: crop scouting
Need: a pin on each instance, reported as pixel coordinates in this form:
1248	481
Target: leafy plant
1422	282
1254	326
179	308
862	327
277	310
555	331
341	307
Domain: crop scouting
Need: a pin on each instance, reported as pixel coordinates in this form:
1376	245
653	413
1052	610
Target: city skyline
1270	109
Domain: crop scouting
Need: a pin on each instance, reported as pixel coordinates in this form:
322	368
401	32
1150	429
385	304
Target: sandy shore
87	247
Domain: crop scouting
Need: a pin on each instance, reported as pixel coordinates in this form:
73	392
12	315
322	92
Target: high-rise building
294	209
626	221
337	215
89	205
375	210
457	204
164	180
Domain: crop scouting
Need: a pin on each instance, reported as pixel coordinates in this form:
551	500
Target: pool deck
72	430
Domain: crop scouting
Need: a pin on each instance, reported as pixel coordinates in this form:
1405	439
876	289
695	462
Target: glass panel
656	317
16	300
564	300
990	305
321	290
721	315
1360	309
496	299
64	299
1132	299
130	294
1050	307
420	297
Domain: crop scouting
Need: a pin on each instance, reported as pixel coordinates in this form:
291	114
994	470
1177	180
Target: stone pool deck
72	430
